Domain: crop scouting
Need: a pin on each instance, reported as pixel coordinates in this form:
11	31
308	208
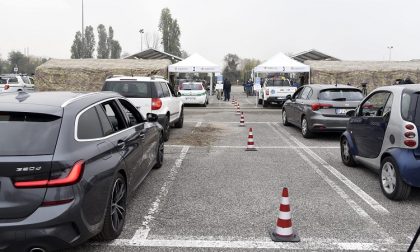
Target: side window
32	80
165	89
304	94
388	107
375	105
106	124
26	79
114	115
88	126
133	115
159	91
310	93
297	93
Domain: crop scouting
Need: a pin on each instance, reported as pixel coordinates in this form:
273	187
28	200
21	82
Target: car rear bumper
49	228
320	123
276	99
193	99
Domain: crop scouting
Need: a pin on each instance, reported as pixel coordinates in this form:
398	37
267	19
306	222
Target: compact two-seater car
68	164
383	134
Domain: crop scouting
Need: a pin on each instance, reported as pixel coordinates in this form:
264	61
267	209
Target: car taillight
410	135
267	91
6	87
156	103
318	106
72	177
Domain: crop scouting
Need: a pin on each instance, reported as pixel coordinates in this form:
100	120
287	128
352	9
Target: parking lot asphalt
212	195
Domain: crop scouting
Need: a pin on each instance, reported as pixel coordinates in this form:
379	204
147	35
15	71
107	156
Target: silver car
321	108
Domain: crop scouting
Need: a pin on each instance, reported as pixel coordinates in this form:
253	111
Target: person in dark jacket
226	89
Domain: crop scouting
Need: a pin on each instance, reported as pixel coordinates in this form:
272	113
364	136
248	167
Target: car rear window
130	89
410	107
28	134
338	94
278	83
191	86
3	81
13	80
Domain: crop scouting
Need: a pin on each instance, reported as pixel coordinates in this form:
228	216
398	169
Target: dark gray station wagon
68	164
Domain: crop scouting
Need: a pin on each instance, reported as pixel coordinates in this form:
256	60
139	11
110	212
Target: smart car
383	134
69	163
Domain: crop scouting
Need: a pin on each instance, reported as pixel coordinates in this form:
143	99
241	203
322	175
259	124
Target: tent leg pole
211	84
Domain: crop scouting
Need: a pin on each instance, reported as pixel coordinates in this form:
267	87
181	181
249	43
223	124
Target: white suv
150	95
16	82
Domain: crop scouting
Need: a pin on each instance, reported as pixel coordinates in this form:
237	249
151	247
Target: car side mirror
351	113
178	94
151	117
288	97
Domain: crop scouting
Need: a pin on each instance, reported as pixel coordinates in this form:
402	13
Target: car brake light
72	177
6	87
410	143
156	103
267	92
409	126
318	106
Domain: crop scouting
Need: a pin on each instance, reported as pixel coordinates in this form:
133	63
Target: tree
152	40
115	50
246	67
103	49
184	54
77	47
89	47
4	66
24	63
170	33
231	71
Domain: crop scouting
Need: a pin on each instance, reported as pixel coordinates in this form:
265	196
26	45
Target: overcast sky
346	29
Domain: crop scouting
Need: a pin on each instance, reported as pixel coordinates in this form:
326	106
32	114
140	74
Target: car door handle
121	144
142	136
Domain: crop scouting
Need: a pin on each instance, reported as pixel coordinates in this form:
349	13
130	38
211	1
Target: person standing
226	89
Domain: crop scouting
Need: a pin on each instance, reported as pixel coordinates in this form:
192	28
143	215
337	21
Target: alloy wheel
389	177
345	151
118	204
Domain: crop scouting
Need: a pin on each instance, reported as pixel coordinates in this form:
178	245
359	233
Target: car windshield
28	133
341	95
191	86
130	89
278	83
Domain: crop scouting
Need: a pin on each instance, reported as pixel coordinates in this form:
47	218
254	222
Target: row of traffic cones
283	231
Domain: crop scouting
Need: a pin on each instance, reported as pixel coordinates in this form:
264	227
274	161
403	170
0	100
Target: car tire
306	133
284	118
392	185
346	157
160	153
166	129
259	101
264	103
180	123
115	211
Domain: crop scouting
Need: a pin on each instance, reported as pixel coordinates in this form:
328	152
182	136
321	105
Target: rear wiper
340	99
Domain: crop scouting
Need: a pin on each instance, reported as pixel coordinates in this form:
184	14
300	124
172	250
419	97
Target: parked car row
16	82
380	131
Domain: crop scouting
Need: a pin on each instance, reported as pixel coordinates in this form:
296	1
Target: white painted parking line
305	244
144	230
356	207
362	194
260	147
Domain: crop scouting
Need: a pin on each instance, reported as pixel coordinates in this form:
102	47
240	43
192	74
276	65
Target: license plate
190	98
341	111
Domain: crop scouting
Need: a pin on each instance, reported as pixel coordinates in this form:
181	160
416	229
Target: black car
321	108
68	164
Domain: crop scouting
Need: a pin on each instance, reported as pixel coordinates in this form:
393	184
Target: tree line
84	46
237	69
25	64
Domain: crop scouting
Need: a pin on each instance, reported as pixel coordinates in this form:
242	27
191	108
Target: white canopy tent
196	64
280	63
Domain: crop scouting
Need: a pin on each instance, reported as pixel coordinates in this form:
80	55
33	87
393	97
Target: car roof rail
70	101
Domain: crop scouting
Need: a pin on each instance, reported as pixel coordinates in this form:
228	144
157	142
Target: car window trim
101	138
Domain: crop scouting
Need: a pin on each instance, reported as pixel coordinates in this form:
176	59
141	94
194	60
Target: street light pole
141	39
83	31
390	48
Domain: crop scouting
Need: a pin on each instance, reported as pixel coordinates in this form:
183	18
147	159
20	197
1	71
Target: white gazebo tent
195	64
280	63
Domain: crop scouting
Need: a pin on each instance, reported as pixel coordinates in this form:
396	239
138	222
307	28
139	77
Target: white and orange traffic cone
238	110
250	146
233	100
242	121
283	232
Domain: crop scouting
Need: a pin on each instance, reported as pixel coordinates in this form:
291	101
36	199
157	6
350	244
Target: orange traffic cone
242	121
283	232
238	110
250	146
